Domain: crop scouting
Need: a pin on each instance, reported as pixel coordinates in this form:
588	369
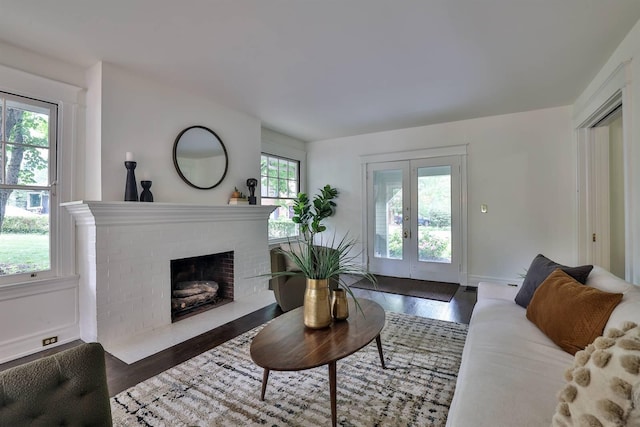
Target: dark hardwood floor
122	376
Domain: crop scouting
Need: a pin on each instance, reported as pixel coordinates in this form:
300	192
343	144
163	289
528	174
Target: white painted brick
129	268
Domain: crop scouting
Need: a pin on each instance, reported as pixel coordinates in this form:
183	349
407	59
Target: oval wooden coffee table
286	344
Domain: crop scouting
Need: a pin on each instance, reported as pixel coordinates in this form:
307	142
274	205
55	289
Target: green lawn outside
23	253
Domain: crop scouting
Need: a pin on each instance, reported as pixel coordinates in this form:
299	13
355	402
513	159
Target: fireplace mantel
134	213
124	251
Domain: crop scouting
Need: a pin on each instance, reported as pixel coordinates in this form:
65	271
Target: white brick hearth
124	251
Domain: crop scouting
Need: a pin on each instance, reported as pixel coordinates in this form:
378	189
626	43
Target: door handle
406	234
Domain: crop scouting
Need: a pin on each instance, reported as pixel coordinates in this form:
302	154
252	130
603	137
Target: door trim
616	89
453	150
426	153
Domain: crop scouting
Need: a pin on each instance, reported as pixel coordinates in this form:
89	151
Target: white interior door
600	197
414	219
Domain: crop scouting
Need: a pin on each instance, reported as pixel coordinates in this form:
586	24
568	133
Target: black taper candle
131	187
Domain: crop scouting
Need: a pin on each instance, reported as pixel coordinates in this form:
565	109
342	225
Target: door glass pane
387	187
434	214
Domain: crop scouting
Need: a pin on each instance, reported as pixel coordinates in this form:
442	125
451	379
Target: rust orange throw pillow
572	315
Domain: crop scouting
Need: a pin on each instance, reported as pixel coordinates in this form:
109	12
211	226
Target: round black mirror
200	157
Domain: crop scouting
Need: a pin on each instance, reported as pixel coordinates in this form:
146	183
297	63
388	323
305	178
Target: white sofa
511	372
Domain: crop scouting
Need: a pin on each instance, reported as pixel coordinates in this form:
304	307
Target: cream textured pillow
604	382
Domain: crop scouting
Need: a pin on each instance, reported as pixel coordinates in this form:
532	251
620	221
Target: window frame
299	189
51	187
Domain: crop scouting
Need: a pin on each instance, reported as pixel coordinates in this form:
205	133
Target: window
27	183
280	184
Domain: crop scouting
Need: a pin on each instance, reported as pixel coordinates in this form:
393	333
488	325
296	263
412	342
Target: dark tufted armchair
68	388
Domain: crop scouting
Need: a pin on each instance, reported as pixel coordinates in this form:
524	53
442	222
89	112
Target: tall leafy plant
309	214
316	257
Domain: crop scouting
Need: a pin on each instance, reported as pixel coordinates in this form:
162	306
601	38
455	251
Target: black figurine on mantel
251	183
130	188
146	195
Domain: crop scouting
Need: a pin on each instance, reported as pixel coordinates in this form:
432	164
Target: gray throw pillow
541	267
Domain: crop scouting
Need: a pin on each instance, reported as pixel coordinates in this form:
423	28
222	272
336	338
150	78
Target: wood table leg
265	378
379	343
332	392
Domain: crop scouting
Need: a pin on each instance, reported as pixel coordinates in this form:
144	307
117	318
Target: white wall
90	166
145	116
523	166
39	65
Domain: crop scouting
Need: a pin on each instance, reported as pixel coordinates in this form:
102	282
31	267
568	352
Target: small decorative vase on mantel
146	195
317	307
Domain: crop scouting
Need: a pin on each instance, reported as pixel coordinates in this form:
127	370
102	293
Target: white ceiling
318	69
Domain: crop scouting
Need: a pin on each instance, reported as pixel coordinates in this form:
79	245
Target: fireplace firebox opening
200	283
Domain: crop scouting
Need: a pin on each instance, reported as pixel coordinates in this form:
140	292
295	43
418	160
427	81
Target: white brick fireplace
124	251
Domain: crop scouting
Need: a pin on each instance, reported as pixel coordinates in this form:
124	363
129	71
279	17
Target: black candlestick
130	188
146	195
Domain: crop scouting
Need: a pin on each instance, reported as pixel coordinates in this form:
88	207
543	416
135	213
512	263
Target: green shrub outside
431	246
26	224
281	229
394	240
439	219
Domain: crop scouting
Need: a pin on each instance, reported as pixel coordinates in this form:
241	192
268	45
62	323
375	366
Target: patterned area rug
221	387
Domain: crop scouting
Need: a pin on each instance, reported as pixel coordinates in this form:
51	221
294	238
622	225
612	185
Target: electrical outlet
49	341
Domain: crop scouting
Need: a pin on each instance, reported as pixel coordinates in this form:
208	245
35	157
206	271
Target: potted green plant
309	215
321	260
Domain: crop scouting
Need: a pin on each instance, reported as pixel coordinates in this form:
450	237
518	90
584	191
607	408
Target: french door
414	219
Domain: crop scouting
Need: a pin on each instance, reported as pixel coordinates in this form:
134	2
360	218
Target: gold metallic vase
317	308
339	304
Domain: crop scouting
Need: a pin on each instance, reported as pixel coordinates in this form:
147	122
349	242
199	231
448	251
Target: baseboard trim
33	344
